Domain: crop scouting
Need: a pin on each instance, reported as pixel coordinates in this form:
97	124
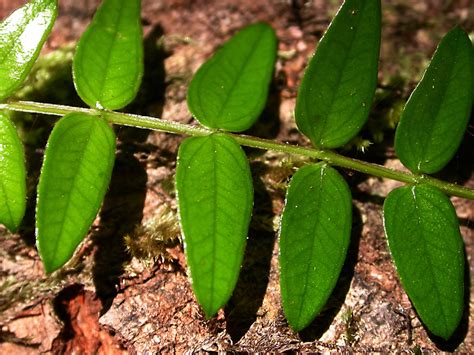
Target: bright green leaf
76	171
215	198
230	90
22	35
108	65
314	237
436	115
12	175
336	93
427	248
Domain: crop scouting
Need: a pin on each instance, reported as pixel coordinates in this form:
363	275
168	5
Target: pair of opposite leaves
229	93
78	162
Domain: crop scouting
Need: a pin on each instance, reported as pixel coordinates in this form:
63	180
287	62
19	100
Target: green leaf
22	35
314	237
215	198
436	115
76	171
230	90
12	175
336	93
108	64
427	248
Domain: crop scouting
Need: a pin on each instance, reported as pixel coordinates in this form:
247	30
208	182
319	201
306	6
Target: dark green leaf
76	171
230	90
339	84
427	248
214	190
22	35
435	117
314	237
108	65
12	175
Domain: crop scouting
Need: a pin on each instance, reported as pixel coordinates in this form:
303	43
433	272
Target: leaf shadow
122	209
34	160
460	168
241	310
335	302
268	124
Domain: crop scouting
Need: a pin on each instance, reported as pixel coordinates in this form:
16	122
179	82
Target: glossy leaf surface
314	237
22	35
12	175
338	86
436	115
427	248
215	199
108	64
230	90
76	171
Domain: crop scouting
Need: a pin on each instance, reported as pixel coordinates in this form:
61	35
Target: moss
277	169
151	240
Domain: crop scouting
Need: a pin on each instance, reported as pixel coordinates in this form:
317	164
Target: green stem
260	143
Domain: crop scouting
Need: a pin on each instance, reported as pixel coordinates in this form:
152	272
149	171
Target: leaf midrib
339	79
239	76
74	179
317	209
214	217
420	225
436	105
104	78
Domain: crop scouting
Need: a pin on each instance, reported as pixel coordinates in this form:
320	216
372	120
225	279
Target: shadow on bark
241	310
122	211
123	205
268	124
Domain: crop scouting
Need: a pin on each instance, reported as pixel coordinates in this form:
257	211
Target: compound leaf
437	113
215	198
423	235
12	175
22	35
314	237
108	64
230	90
76	171
337	89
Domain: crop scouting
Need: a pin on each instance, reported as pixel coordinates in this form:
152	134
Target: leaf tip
10	225
209	311
49	268
297	325
445	331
